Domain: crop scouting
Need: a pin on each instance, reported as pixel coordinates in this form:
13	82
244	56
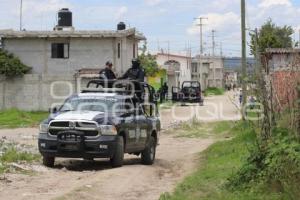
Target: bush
213	91
11	66
276	166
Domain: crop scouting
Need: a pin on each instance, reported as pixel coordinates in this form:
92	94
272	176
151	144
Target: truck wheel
117	159
48	161
148	155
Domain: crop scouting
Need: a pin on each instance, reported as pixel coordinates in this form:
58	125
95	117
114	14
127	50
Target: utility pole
21	15
213	42
221	49
244	64
257	56
201	32
201	47
213	56
299	39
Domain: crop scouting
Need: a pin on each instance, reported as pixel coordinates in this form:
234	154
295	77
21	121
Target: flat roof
282	50
172	55
72	34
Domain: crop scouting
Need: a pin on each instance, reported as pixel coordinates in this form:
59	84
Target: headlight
44	128
108	130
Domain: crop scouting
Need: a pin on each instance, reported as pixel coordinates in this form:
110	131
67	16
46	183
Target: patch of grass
196	129
14	118
214	91
12	155
217	164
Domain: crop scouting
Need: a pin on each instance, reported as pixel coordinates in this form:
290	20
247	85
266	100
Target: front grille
60	124
90	129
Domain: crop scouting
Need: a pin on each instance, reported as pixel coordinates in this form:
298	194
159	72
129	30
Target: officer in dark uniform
165	91
107	73
136	72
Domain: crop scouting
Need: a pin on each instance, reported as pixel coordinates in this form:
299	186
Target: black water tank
64	17
121	26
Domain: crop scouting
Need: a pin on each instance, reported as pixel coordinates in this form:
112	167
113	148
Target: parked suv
189	92
103	123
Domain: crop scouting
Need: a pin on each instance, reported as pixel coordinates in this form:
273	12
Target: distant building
178	68
230	78
66	52
208	70
235	63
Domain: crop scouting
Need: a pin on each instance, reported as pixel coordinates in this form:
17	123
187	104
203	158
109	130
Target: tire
148	155
48	161
117	159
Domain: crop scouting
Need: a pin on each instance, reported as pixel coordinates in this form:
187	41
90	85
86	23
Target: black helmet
135	60
135	63
108	63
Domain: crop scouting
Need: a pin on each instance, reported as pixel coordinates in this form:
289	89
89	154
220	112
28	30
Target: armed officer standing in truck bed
136	72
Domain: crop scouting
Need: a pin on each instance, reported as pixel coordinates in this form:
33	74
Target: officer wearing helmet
107	73
136	72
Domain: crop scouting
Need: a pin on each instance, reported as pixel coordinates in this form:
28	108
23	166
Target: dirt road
77	179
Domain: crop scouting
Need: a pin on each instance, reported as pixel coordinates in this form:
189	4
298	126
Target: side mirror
53	110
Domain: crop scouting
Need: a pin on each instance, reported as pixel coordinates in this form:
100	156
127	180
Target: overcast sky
159	20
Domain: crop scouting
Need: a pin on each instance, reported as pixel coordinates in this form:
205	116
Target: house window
119	50
133	50
206	65
194	67
60	50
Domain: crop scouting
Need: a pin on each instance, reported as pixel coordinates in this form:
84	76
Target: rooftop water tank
121	26
64	17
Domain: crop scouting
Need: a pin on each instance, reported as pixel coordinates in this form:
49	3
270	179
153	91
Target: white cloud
216	21
37	7
225	4
270	3
121	12
153	2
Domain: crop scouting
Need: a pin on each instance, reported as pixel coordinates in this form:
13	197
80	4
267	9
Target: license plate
71	147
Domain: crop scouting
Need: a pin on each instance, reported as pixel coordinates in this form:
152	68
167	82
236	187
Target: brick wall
285	87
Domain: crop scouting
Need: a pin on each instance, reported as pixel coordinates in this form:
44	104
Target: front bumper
192	99
100	147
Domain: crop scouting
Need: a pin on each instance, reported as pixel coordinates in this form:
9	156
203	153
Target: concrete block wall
35	92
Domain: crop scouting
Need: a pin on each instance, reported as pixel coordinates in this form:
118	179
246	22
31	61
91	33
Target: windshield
191	84
101	104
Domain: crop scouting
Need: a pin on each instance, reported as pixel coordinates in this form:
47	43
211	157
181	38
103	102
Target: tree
148	61
272	36
11	66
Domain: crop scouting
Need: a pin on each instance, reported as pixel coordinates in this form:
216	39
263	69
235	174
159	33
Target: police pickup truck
189	92
103	123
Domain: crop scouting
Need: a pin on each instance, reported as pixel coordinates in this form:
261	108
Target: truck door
130	123
142	128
